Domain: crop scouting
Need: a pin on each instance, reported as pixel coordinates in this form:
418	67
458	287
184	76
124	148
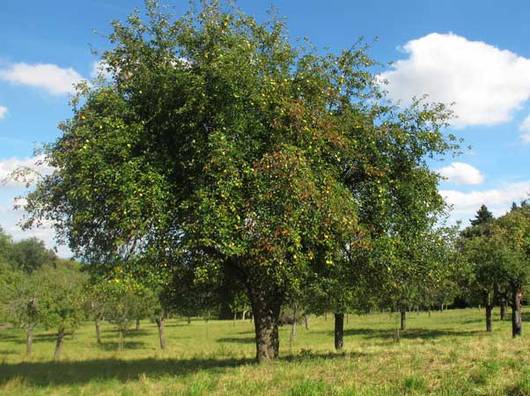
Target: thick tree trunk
489	326
339	331
403	319
161	336
137	324
59	345
503	310
517	324
266	312
29	340
98	331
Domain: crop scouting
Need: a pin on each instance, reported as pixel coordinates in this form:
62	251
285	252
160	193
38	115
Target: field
444	353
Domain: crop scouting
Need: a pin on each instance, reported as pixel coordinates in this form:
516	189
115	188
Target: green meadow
441	353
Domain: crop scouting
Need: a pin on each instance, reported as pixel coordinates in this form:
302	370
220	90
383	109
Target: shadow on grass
21	339
407	334
80	372
114	346
238	340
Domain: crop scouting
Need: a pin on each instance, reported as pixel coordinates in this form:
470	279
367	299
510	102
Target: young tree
62	300
511	237
22	303
217	140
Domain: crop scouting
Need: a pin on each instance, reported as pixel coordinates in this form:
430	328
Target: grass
445	353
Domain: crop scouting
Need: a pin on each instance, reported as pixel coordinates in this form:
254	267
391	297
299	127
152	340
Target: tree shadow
414	333
80	372
114	346
237	340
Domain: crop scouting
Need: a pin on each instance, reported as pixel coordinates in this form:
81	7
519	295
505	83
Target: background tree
511	238
21	298
61	304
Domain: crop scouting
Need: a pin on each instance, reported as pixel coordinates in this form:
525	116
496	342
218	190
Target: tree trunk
59	345
489	326
293	329
266	317
98	331
29	340
189	319
517	324
339	331
137	324
306	321
161	336
244	315
503	310
121	339
403	321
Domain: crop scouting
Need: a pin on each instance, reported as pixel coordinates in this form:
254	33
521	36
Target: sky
474	54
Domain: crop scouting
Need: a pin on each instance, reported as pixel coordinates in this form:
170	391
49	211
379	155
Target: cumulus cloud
524	128
461	173
486	83
52	78
498	200
3	112
27	170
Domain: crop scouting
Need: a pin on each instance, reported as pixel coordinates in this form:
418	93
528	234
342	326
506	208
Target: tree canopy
215	147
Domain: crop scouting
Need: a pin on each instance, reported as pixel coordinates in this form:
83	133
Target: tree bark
306	321
161	336
489	326
339	331
98	331
503	310
403	319
59	345
137	324
266	317
29	340
517	324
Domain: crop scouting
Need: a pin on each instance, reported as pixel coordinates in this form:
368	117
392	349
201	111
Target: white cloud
498	200
3	112
100	69
524	128
487	84
31	167
461	173
52	78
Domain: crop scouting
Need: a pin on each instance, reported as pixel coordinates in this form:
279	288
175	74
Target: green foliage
219	150
61	300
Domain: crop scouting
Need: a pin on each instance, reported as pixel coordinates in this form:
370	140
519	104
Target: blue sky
475	53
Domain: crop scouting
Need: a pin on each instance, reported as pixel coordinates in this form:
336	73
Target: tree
31	254
216	140
511	237
22	303
61	302
482	217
